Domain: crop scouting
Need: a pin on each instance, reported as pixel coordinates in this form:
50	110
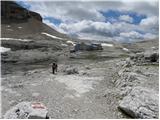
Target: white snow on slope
125	49
9	29
19	27
24	40
8	26
49	35
3	49
107	45
64	45
70	43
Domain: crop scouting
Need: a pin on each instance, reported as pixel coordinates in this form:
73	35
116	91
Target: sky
119	20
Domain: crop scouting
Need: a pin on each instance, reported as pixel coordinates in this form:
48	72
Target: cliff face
35	15
12	11
19	22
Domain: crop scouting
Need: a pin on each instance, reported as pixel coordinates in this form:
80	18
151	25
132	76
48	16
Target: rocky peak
12	11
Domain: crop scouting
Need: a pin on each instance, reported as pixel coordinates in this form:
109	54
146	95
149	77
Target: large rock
71	70
35	15
87	47
147	56
27	110
141	103
151	56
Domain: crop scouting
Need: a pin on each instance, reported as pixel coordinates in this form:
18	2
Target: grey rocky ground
66	96
97	84
120	81
138	82
141	103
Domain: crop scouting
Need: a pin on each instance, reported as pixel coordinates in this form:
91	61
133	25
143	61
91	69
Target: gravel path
89	94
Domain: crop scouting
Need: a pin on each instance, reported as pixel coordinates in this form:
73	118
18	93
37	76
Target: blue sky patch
96	27
136	17
113	15
24	4
53	20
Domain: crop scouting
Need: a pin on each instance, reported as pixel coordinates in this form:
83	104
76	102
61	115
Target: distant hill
18	22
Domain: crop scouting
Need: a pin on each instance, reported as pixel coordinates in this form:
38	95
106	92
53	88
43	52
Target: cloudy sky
120	20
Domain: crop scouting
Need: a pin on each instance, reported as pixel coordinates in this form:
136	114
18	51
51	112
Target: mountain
18	22
121	78
26	38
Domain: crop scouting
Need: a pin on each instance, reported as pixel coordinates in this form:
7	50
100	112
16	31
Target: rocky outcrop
140	103
86	47
71	70
27	110
138	88
35	15
12	11
145	57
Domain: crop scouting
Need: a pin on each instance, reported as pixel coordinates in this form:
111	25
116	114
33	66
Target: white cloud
121	31
88	27
132	35
72	10
85	20
150	36
150	25
150	21
126	18
53	26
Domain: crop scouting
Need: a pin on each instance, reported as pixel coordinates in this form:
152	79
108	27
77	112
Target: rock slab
141	103
27	110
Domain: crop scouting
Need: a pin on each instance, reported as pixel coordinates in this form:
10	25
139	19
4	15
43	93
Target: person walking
54	67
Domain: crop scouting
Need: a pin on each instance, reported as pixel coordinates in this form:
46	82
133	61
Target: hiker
54	68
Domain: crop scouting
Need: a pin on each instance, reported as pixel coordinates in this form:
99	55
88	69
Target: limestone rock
71	70
147	56
27	110
141	103
12	10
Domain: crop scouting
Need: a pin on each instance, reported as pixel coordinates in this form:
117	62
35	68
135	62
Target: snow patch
106	45
64	45
125	49
49	35
19	27
3	49
24	40
9	29
8	26
70	43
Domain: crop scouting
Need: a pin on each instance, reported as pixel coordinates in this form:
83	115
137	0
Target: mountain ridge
19	22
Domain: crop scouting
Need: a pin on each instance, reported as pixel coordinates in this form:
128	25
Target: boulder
154	57
27	110
141	103
87	47
144	57
151	56
71	70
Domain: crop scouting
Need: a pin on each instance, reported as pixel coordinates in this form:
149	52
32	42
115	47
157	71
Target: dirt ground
89	94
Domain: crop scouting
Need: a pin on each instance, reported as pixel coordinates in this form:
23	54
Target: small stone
88	68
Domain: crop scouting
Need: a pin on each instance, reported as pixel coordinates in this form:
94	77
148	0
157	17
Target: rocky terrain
120	81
